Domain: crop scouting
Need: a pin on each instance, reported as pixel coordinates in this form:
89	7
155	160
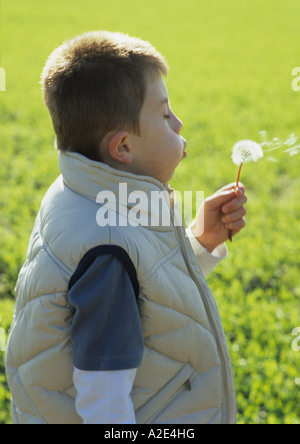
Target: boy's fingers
235	216
232	186
234	204
236	226
225	195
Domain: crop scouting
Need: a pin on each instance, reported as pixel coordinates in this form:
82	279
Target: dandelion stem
239	175
230	232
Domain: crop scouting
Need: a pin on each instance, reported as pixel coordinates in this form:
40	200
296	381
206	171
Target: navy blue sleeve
106	332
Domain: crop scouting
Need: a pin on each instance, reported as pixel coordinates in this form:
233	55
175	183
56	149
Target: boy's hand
221	212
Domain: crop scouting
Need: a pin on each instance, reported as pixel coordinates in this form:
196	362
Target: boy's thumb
220	198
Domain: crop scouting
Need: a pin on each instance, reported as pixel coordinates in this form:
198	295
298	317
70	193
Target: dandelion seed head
246	151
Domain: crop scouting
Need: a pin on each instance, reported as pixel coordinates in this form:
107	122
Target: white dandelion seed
246	151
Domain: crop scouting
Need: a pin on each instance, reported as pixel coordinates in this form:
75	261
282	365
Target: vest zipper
211	309
188	385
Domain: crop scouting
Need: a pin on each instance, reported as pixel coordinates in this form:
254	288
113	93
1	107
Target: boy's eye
167	116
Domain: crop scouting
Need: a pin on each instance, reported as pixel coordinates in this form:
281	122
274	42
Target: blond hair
97	83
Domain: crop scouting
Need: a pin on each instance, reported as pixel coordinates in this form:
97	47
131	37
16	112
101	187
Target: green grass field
230	78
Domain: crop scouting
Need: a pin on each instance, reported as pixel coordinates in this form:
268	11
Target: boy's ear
119	148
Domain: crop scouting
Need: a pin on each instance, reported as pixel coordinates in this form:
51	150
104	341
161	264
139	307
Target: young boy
115	323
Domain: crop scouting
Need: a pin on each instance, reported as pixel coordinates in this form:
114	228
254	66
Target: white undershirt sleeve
103	397
207	261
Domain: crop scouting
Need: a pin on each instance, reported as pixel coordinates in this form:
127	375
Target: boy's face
159	148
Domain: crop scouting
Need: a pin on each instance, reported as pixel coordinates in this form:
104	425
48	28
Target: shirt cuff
104	397
207	261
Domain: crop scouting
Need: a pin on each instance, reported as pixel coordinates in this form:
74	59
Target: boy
116	324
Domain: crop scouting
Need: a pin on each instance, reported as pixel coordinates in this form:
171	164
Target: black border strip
117	252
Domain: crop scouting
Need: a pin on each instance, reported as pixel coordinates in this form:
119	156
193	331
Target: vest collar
89	178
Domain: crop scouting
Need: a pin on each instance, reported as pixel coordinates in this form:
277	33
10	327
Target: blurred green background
230	78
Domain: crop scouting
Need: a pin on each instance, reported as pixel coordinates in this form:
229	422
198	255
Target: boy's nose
178	125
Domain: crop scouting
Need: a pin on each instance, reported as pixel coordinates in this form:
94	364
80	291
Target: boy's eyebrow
164	101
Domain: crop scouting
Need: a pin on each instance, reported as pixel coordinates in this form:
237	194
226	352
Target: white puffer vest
186	374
